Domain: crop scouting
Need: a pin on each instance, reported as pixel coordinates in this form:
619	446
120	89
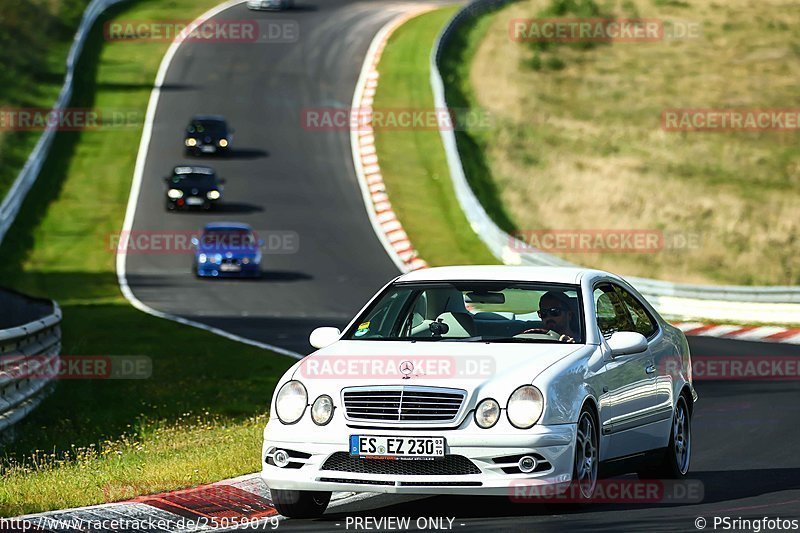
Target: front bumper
555	446
181	203
207	149
212	270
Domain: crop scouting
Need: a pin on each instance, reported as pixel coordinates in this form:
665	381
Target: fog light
280	458
527	464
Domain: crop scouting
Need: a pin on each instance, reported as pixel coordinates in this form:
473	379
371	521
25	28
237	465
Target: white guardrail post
775	304
27	176
29	361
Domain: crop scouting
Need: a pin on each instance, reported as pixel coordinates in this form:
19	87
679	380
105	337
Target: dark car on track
208	134
193	187
227	249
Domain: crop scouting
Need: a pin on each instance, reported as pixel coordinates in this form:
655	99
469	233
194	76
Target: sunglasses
552	311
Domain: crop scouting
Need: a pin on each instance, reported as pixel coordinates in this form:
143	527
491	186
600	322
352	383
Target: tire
300	503
673	461
585	465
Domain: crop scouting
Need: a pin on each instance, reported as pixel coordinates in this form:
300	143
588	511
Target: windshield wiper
514	339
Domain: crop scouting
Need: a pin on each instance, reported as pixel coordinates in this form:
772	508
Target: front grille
403	404
450	465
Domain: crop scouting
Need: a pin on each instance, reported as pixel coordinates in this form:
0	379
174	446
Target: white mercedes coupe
487	380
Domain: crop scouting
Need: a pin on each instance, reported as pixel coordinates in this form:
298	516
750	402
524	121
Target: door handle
650	369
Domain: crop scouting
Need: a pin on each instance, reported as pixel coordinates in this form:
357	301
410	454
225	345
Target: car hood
472	366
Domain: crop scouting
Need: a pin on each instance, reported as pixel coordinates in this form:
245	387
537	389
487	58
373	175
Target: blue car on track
227	249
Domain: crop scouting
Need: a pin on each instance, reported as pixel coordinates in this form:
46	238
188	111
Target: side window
612	315
642	321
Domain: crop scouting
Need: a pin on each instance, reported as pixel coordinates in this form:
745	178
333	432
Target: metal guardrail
719	302
36	344
27	177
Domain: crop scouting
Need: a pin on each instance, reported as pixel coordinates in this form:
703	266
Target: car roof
214	118
186	169
227	225
566	275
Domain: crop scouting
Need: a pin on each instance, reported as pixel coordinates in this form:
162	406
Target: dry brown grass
582	147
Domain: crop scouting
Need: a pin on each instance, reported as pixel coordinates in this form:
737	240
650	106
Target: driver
556	313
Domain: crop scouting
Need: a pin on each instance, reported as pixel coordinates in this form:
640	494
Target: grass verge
413	162
578	142
199	417
35	37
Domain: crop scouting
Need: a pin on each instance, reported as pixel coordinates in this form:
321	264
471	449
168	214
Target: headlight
223	143
202	258
191	142
175	194
322	410
245	260
212	195
487	413
525	407
291	402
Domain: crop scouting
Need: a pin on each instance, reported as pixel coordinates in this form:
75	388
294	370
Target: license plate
380	447
208	149
230	268
192	200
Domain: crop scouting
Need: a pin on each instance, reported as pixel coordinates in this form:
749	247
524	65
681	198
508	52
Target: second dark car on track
193	187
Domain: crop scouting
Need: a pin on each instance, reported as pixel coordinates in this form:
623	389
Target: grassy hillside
577	140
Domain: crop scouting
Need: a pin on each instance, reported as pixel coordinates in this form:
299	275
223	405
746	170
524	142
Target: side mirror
195	242
322	337
626	343
261	243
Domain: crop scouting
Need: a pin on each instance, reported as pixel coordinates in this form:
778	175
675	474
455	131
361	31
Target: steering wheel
543	334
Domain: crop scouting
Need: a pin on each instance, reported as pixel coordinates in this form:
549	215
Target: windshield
473	312
207	126
194	180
